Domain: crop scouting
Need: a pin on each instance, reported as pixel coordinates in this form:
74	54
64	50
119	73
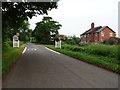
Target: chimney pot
92	25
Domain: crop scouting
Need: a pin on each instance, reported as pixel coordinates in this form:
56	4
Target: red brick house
97	34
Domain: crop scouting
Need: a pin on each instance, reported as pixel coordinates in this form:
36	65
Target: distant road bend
40	67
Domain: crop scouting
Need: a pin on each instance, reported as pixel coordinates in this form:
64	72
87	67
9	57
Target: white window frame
111	34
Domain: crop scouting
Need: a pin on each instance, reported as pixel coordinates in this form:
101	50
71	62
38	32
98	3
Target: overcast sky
76	16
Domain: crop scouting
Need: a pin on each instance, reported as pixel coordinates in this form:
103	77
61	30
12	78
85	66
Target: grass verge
101	61
9	57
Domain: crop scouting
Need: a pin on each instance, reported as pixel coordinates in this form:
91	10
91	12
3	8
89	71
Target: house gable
105	28
106	33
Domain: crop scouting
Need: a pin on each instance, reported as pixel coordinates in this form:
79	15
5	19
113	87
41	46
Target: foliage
9	56
112	41
46	30
72	40
25	32
7	44
14	14
95	49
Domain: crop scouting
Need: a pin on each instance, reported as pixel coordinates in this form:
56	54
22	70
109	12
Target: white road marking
24	50
52	50
32	49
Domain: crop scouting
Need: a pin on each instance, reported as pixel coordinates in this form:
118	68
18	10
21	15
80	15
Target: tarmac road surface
40	67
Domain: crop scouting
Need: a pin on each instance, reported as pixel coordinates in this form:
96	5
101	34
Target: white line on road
24	50
52	50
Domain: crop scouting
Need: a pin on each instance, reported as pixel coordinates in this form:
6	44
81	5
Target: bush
112	41
7	43
96	49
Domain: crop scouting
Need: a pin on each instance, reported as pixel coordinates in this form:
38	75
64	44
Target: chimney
92	25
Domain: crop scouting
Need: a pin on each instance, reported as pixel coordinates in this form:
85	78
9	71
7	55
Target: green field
9	56
105	56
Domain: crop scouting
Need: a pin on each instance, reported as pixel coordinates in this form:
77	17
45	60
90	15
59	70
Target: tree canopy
46	30
14	13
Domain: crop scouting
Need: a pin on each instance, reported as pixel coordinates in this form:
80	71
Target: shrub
96	49
112	41
7	43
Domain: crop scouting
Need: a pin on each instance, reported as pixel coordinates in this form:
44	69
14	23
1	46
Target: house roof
96	30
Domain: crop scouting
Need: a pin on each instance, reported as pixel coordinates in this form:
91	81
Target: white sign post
15	41
58	44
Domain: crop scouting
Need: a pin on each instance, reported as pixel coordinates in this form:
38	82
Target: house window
111	34
102	34
84	35
101	40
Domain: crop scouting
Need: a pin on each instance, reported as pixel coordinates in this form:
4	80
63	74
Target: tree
72	40
14	13
25	32
46	30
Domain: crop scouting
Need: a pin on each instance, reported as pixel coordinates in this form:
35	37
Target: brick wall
106	34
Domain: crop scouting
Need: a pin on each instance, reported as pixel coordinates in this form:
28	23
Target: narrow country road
40	67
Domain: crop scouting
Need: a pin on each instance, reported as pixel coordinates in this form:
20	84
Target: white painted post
58	44
15	41
18	43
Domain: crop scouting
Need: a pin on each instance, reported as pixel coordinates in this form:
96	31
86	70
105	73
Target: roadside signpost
58	44
58	41
16	40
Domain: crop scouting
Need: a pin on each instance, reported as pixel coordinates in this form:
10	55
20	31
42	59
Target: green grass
95	49
93	54
10	56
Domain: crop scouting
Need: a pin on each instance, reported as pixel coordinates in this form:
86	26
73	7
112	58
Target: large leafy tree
14	13
46	30
25	32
